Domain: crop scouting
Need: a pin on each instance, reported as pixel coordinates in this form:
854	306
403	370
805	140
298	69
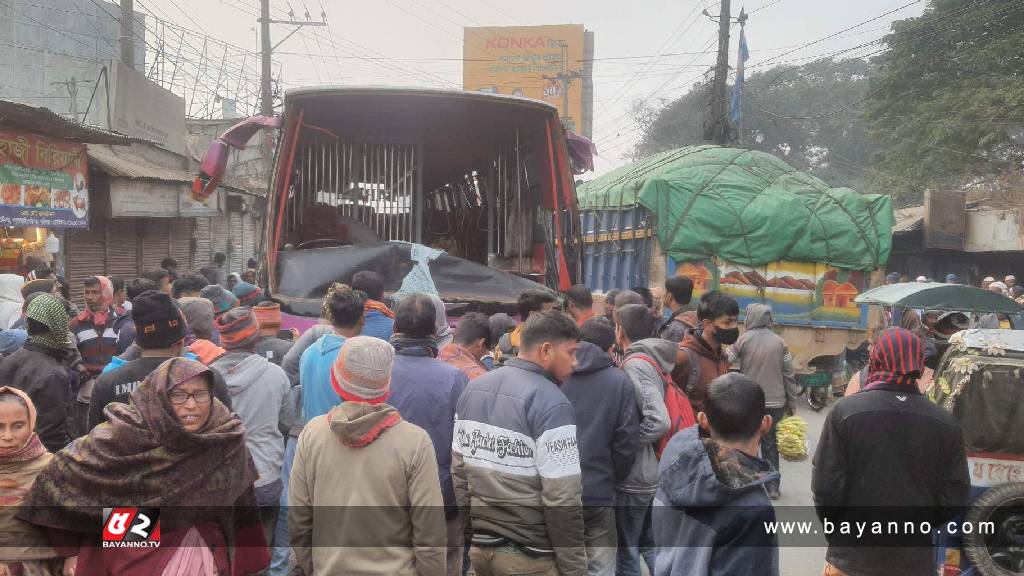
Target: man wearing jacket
380	320
699	357
647	362
260	395
885	454
364	497
41	369
530	301
608	434
678	292
515	458
344	307
579	303
763	356
711	507
425	391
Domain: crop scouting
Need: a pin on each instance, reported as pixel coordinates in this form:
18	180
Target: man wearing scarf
425	391
42	370
379	319
888	454
96	329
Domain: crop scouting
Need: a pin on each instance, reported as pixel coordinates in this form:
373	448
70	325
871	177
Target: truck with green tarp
746	223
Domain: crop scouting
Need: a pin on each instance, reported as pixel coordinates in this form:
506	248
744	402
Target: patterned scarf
49	311
897	358
99	319
144	457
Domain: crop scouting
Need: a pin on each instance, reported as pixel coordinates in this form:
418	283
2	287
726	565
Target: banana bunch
791	435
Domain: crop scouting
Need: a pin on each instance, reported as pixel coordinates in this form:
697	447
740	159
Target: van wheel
1000	552
817	397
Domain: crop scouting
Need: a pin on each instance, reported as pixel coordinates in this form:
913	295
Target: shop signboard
42	182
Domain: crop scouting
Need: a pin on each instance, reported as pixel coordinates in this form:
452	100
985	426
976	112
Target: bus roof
413	92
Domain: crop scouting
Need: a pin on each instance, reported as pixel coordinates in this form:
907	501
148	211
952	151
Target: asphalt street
796	491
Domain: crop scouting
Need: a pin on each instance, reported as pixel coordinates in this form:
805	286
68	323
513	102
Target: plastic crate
815	379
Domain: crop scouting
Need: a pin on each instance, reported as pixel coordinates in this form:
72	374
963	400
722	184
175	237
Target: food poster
798	292
42	182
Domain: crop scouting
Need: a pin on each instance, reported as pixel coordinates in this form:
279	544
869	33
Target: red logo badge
131	527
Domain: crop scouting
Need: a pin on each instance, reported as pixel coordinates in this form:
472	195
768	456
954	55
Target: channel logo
131	527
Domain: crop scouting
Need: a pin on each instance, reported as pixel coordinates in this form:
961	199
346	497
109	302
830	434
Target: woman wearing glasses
179	453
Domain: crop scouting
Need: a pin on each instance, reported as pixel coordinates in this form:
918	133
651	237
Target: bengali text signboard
42	182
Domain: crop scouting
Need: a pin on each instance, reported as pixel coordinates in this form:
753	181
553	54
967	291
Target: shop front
44	191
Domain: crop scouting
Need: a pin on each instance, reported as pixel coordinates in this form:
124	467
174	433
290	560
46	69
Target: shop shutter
248	237
122	247
218	235
155	242
85	256
203	254
181	244
235	260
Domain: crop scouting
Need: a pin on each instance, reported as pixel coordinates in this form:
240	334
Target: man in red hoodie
699	357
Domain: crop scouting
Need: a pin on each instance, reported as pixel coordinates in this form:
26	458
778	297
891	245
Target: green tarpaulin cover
747	207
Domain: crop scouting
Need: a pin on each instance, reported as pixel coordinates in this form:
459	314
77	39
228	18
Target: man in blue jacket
380	320
608	432
711	506
425	391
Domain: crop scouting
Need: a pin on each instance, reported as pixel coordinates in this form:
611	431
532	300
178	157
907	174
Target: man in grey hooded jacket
647	362
763	356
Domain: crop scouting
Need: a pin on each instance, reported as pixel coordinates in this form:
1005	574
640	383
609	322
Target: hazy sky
425	36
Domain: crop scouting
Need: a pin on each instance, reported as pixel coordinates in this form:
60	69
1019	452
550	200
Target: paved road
796	491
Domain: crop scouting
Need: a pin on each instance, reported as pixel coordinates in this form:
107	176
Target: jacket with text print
516	464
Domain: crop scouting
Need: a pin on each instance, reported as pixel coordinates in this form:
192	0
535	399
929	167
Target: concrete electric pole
127	38
267	51
718	129
565	78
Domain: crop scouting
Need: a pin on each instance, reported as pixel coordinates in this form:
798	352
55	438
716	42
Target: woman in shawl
176	449
24	548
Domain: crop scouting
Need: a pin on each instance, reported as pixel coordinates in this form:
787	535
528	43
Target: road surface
796	491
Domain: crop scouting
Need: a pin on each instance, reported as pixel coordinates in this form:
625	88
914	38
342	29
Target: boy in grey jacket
647	363
763	356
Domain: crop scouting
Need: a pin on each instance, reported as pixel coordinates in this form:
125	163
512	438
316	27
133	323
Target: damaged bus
470	192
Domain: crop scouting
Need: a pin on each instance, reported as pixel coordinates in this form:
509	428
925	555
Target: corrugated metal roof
45	122
908	219
126	164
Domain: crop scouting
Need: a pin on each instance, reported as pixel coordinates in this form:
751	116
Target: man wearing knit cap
260	395
160	333
268	315
199	316
248	294
363	466
222	299
425	391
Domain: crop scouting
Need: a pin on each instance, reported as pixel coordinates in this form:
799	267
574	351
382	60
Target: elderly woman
175	448
24	548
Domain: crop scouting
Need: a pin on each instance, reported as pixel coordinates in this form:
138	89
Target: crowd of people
381	441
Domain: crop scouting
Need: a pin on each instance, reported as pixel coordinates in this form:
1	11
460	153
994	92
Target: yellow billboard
532	61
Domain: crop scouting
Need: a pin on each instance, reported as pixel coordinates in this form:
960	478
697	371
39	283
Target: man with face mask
699	357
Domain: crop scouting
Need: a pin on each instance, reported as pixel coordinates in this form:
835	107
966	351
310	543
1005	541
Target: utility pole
72	88
267	51
127	38
718	129
565	78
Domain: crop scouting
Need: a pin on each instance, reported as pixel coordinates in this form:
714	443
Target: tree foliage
807	115
947	106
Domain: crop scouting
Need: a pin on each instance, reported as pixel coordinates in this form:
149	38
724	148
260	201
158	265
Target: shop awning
45	122
142	188
908	220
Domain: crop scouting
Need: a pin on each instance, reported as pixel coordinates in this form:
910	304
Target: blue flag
737	89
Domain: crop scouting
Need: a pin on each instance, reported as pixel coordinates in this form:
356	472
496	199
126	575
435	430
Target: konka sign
526	61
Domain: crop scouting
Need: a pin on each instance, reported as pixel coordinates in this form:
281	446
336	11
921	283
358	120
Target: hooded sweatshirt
710	511
712	365
260	395
763	356
607	427
11	299
362	465
318	395
649	395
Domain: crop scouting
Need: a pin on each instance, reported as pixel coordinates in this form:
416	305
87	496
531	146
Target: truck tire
1000	553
